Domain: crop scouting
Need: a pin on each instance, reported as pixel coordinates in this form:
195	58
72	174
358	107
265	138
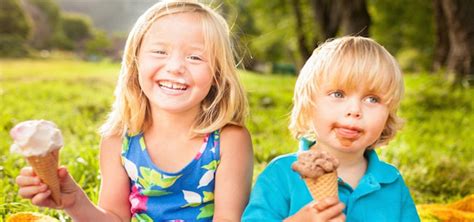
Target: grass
433	151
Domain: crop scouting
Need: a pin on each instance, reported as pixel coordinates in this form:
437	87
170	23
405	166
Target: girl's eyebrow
199	47
157	42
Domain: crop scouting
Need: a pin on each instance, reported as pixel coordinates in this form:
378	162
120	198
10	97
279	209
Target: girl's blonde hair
348	63
225	103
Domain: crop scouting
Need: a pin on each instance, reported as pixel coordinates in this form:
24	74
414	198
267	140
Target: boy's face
348	120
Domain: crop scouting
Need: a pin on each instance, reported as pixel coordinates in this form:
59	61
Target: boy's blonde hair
348	63
225	103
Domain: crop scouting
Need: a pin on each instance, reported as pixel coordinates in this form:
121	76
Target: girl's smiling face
173	64
348	120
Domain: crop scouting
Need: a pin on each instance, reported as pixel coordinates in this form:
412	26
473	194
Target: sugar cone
46	167
322	187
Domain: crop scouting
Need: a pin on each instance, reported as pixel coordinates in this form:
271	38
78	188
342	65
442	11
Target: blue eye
337	94
372	99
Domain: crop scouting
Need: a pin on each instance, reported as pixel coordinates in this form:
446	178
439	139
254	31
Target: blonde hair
348	62
225	103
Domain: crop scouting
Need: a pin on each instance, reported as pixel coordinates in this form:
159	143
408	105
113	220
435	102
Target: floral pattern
187	195
137	200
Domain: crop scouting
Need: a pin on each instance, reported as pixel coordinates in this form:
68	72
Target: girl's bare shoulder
235	139
111	143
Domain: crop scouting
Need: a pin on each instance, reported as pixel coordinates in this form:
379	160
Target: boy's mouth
351	133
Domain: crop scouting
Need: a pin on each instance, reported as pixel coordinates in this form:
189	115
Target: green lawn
434	151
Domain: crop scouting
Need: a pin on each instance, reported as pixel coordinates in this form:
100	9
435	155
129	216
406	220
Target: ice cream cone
46	167
39	142
323	186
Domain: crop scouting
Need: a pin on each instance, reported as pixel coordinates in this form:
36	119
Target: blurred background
59	60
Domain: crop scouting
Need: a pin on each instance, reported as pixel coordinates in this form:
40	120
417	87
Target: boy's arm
267	200
113	197
234	174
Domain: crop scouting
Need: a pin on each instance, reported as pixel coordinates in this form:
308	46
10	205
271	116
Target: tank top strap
128	140
214	138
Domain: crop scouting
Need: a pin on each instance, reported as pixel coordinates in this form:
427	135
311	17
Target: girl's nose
175	65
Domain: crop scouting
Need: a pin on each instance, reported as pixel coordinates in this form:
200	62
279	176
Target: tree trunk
355	18
303	48
328	16
461	37
442	38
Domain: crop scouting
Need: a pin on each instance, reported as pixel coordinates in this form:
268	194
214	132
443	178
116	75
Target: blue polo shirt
381	194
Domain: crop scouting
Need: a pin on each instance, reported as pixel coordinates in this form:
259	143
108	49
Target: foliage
404	25
433	151
50	8
76	27
13	46
271	40
19	26
438	129
13	32
99	45
45	16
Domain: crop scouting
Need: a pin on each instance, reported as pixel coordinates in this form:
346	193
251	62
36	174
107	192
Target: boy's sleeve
269	200
408	210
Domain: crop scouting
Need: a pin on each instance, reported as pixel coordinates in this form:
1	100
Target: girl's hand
328	209
32	188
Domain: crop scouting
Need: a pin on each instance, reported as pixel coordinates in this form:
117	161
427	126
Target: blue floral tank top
156	195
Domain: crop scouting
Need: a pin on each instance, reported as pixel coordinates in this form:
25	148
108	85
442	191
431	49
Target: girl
346	99
174	146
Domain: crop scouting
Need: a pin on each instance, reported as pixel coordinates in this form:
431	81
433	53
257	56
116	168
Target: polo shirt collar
377	173
380	171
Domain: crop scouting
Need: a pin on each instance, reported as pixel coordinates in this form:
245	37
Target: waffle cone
323	186
46	167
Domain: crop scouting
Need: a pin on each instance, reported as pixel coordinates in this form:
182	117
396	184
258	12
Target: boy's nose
353	114
354	109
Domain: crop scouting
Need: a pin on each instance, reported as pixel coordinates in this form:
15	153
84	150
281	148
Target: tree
355	17
77	27
442	38
305	51
45	16
14	29
349	17
327	15
406	29
287	31
459	26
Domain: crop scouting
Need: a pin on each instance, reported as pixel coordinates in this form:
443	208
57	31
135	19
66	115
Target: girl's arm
234	174
114	190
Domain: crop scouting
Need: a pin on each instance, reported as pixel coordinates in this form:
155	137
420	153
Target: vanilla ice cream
36	138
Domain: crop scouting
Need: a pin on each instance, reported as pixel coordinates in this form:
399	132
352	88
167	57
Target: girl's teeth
173	85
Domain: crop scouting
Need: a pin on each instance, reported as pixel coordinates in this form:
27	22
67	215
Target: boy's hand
328	209
32	188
